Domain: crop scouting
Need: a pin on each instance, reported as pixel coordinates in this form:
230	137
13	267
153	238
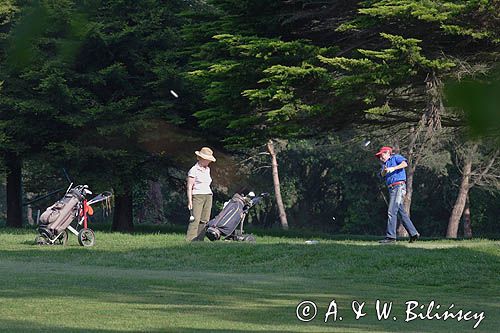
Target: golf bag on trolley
55	222
233	214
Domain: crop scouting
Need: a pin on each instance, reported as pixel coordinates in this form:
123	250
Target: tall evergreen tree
35	99
84	83
125	69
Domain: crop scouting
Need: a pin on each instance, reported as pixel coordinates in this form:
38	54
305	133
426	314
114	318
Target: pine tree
34	100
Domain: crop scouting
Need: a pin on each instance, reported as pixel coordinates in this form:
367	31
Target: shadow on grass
22	326
403	264
182	301
234	287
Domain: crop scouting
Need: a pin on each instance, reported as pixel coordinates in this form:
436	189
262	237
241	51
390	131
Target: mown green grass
158	283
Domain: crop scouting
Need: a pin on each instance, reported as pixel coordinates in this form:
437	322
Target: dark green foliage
34	97
392	79
255	88
115	85
331	190
476	19
84	90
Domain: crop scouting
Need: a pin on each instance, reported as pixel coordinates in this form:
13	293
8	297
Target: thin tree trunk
13	164
276	181
29	210
409	190
157	202
458	208
422	137
402	232
152	209
467	219
29	215
122	216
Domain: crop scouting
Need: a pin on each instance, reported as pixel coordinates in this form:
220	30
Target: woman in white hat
199	194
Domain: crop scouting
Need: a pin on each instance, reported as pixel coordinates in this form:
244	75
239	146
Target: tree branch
483	174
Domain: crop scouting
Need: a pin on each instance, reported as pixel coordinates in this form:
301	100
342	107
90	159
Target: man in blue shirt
393	170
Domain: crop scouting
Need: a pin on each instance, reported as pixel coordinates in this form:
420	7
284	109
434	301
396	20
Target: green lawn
158	283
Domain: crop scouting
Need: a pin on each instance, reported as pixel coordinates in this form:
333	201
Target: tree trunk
467	220
122	216
423	136
152	209
29	209
156	197
29	215
409	190
458	208
276	181
402	232
13	164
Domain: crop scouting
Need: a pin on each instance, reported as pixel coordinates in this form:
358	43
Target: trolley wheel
41	240
249	238
86	237
63	239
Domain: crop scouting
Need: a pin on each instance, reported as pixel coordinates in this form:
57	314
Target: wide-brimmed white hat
206	153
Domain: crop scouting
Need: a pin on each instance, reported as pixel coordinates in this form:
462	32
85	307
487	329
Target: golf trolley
226	223
56	221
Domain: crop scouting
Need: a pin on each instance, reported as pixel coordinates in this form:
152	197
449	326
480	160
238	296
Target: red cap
384	149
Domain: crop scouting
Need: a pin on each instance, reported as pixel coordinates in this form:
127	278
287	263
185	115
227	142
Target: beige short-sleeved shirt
202	179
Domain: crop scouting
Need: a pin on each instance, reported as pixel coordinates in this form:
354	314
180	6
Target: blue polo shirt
398	175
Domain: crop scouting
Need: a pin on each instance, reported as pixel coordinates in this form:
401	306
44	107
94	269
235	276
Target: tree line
122	92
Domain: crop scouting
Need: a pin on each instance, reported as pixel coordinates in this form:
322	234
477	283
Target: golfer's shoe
414	237
387	240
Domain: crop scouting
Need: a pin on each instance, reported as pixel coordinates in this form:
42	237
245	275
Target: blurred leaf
480	101
30	27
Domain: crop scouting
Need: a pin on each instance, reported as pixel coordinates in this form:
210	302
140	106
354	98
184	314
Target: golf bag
58	216
55	222
233	214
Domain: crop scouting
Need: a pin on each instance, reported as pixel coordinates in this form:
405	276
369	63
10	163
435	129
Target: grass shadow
157	282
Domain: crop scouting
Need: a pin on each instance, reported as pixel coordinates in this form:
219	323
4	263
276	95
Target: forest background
119	94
